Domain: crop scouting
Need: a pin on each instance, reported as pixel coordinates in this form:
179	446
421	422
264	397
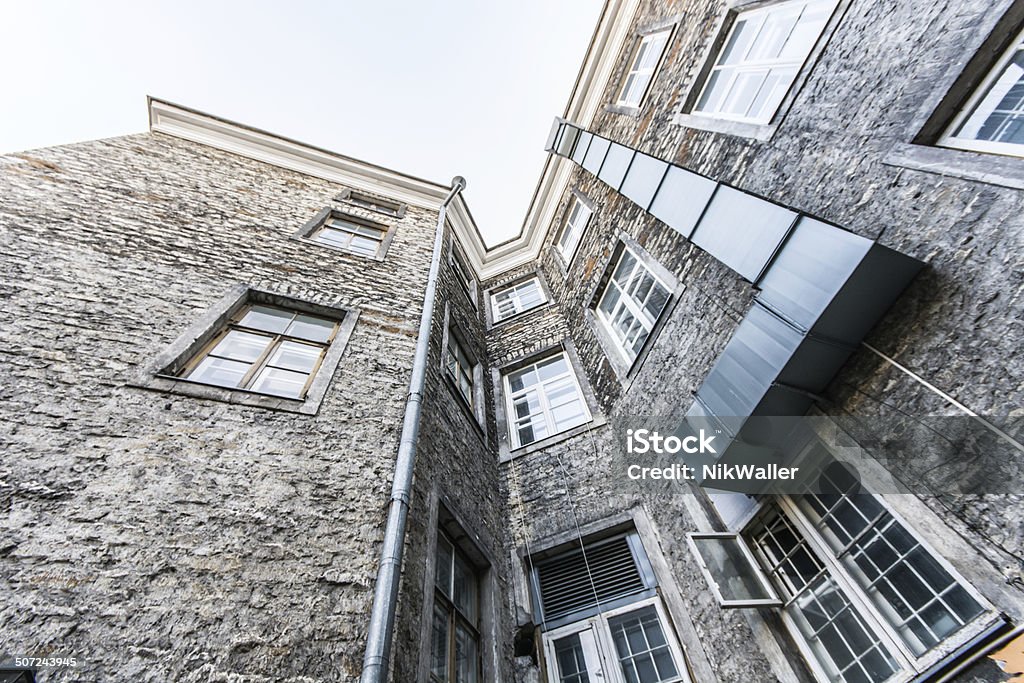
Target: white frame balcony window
761	58
636	637
642	65
542	399
517	298
992	120
577	216
631	303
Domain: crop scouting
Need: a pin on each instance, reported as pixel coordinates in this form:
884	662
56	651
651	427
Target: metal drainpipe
385	594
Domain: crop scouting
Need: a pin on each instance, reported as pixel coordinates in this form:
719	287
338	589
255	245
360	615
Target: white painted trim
188	124
609	37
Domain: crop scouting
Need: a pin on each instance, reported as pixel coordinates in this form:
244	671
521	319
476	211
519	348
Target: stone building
799	210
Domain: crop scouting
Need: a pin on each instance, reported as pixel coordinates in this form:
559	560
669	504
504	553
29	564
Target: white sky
433	88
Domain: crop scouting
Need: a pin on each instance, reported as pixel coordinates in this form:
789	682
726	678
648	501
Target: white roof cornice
609	37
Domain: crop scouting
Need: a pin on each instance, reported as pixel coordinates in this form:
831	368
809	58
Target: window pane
999	116
641	647
280	382
266	318
219	371
295	356
243	346
572	667
439	644
464	588
333	237
311	327
467	659
364	246
443	570
730	569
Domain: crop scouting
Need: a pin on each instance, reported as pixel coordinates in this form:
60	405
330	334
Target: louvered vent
565	586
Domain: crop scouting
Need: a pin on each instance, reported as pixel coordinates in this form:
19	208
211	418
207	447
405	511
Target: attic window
388	207
349	233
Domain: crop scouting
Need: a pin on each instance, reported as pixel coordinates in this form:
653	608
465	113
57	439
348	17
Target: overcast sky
432	88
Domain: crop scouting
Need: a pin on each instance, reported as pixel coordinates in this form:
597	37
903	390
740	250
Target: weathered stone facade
158	536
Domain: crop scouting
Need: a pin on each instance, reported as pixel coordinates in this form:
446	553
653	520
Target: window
993	119
760	59
631	303
642	67
345	233
371	203
602	616
455	630
463	273
461	369
576	219
517	298
265	349
863	595
543	399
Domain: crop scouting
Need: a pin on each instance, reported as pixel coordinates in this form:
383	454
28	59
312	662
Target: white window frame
606	652
577	218
754	565
635	71
353	229
761	13
951	139
545	407
638	312
911	664
513	295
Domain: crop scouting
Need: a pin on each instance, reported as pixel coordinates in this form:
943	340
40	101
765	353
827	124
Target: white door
627	645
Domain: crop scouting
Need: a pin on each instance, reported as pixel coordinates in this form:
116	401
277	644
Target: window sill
521	314
507	455
993	169
176	385
307	240
623	110
740	129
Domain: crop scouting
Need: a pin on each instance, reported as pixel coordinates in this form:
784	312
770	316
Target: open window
731	571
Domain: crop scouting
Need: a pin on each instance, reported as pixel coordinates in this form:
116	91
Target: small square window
542	399
370	202
265	349
993	119
255	348
761	58
517	298
642	65
347	233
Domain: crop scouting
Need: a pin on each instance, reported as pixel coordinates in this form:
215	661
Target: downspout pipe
385	594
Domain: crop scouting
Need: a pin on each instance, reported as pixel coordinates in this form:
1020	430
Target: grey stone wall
160	537
958	325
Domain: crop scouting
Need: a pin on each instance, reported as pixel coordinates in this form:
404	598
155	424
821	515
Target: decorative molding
613	29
